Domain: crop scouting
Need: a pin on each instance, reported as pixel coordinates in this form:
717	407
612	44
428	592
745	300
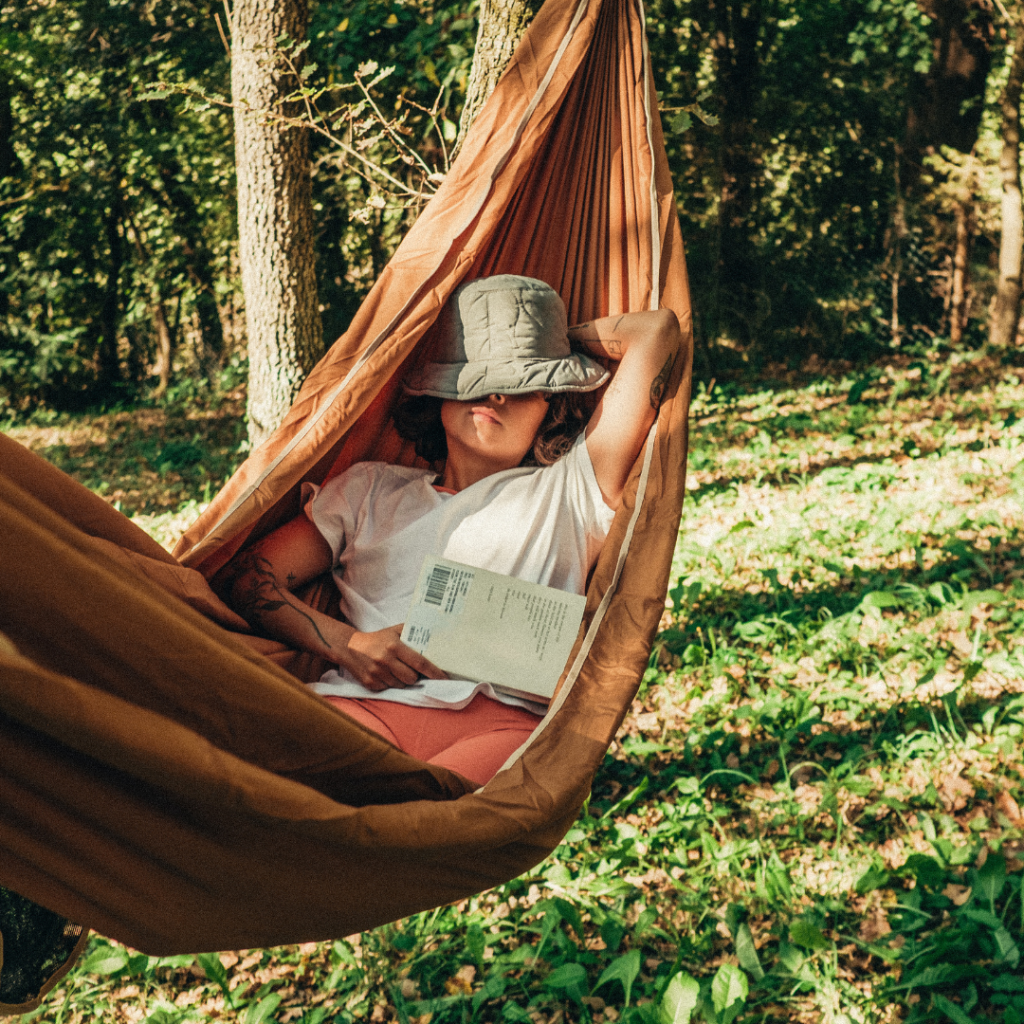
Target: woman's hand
380	660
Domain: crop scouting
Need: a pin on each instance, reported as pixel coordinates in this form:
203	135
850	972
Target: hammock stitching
648	123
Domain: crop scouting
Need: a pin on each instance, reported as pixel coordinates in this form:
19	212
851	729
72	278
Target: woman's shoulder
369	481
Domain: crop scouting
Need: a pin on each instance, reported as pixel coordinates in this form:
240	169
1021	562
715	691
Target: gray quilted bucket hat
504	335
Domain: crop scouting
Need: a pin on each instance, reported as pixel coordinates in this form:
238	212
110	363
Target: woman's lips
485	413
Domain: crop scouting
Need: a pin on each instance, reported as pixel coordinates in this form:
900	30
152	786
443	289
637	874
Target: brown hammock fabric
163	779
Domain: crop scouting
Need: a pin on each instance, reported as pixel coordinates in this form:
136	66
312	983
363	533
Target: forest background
836	164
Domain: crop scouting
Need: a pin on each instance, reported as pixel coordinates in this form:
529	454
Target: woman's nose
498	399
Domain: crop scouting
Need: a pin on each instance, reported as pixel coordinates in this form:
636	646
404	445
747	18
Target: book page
491	628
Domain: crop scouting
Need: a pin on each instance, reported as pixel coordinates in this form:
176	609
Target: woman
503	393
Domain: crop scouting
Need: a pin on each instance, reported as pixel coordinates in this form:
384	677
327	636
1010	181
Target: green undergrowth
812	812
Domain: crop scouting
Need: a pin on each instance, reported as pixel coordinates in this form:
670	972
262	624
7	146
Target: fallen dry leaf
462	982
958	895
1005	804
874	927
955	792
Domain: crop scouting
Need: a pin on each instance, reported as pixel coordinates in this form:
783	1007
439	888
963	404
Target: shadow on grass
789	729
150	460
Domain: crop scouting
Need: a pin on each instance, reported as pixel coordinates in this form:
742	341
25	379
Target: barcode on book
437	584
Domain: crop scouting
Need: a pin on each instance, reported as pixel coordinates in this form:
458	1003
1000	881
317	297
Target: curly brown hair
418	419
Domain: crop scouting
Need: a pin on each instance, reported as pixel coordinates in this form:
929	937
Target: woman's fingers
384	661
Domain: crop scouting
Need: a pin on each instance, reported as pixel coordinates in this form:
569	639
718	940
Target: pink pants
474	741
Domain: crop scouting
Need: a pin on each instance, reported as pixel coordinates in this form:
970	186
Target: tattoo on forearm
256	591
613	348
659	383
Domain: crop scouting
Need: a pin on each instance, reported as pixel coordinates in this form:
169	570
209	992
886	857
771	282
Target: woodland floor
812	812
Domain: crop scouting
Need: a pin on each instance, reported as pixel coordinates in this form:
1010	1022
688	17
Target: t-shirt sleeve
337	508
585	492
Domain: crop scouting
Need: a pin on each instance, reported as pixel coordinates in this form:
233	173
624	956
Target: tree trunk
109	365
502	24
275	214
946	103
1006	308
960	284
8	160
164	343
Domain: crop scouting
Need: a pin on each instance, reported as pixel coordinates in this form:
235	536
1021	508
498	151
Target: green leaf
982	917
927	870
873	878
746	953
1009	954
1007	983
259	1013
570	913
939	974
106	960
682	122
622	969
991	877
952	1011
570	978
680	1000
808	935
729	992
475	943
214	970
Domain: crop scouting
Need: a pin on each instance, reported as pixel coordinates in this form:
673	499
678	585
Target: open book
491	628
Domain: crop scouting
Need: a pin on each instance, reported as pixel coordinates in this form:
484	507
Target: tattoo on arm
613	348
256	591
659	382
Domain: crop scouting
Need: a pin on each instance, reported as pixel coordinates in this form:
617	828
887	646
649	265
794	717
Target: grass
812	812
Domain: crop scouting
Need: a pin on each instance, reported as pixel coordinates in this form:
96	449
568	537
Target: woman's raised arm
645	345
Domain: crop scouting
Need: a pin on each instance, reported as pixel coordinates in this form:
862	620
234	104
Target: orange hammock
163	778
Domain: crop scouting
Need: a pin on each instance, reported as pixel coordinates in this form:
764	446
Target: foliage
111	206
811	227
117	205
812	812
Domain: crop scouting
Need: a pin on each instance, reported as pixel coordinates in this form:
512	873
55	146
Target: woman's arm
645	345
294	554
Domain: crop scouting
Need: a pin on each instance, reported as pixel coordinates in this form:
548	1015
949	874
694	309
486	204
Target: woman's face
499	428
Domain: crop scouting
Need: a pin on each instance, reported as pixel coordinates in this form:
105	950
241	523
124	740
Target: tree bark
947	102
960	284
502	24
275	214
1006	307
109	364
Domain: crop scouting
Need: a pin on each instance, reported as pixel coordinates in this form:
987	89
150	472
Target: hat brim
464	382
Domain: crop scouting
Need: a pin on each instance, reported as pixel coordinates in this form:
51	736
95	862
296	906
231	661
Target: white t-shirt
540	524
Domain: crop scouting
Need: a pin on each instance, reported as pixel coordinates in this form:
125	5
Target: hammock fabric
165	778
